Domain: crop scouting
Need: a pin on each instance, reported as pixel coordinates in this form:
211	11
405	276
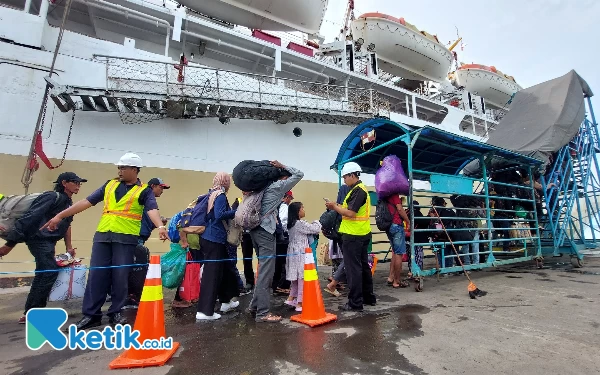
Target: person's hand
52	224
277	164
5	250
183	241
72	251
330	205
235	204
162	234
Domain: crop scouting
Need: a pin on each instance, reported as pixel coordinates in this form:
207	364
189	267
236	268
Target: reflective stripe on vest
359	225
124	216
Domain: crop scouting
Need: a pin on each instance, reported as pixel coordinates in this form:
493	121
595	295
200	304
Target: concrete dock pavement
533	321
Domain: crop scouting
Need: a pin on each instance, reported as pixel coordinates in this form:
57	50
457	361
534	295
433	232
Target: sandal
390	283
269	318
403	284
181	304
332	292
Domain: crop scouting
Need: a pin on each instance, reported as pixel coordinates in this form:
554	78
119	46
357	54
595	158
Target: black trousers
100	280
217	279
503	227
247	253
279	280
358	272
45	276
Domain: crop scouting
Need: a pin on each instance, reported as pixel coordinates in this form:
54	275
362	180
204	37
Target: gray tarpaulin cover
542	118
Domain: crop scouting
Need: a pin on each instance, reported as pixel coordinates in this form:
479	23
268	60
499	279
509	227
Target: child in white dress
301	234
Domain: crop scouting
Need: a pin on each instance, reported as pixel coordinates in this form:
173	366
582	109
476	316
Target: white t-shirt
283	215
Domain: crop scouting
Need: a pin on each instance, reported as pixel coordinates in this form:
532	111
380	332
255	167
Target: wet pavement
532	321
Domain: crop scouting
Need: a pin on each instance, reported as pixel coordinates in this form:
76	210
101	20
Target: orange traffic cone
313	309
150	322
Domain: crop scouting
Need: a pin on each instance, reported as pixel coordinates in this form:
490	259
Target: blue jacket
215	231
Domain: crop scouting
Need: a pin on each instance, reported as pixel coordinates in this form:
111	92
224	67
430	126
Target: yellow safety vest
361	224
124	216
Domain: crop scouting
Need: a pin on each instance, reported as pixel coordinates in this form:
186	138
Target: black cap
69	177
159	182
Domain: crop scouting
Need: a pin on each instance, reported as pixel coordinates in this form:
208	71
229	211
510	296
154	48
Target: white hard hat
350	168
130	160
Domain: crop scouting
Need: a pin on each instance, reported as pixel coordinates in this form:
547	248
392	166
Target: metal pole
488	214
535	216
26	178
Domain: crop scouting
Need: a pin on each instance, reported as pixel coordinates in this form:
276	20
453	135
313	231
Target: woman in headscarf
217	279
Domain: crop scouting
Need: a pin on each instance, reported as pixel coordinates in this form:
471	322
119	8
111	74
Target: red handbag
190	287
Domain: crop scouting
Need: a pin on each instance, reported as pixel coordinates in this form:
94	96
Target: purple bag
390	178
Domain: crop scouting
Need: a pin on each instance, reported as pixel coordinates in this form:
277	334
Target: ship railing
147	78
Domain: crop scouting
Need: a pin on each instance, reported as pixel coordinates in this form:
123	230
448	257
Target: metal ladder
571	222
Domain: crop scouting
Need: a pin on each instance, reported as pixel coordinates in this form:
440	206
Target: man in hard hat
125	199
356	236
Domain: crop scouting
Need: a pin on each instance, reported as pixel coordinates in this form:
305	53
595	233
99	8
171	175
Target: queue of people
130	214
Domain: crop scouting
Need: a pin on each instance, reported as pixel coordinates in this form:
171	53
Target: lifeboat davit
402	49
278	15
488	82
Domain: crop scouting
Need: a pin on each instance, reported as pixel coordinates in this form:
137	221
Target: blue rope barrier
66	268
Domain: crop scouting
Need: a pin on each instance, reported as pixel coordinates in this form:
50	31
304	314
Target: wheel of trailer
576	262
419	285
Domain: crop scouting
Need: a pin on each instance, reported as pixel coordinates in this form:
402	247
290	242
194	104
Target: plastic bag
172	266
390	178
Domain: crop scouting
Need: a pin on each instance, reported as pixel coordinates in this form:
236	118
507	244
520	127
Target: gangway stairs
571	224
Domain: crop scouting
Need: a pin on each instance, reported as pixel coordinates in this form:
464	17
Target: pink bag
390	178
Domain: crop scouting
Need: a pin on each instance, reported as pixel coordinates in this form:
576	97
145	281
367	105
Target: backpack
12	207
173	229
248	215
383	217
194	216
330	224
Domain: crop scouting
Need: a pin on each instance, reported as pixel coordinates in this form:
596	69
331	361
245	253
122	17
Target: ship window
297	131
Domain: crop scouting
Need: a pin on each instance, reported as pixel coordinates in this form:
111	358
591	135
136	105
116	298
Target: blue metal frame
446	154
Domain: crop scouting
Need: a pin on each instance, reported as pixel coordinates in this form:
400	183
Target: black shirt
42	209
357	197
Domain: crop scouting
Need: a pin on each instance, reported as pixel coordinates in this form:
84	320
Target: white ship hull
494	88
185	152
402	51
281	15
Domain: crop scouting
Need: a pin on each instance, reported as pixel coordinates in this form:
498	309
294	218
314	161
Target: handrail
232	71
110	7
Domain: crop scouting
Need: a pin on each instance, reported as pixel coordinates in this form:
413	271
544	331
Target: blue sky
532	40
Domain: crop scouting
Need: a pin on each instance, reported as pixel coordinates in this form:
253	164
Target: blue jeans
397	239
